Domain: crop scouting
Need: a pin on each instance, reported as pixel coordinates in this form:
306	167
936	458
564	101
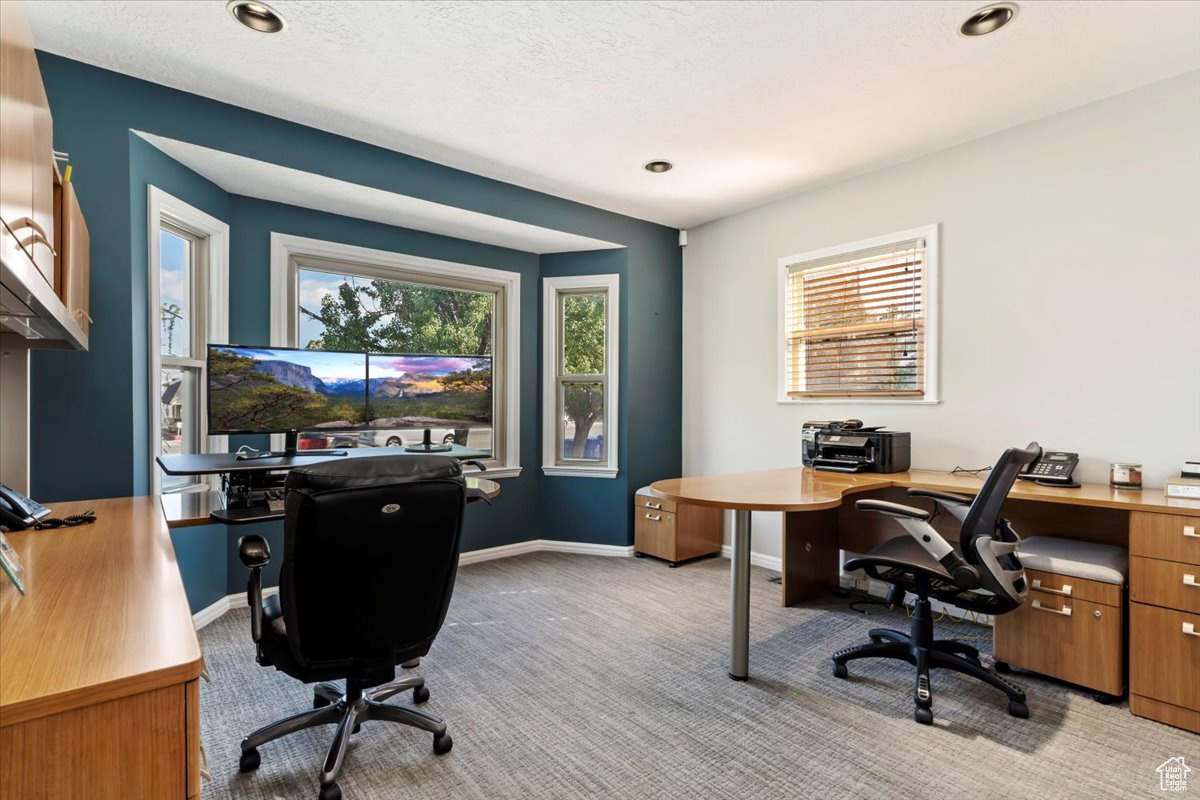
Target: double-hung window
187	283
579	355
859	321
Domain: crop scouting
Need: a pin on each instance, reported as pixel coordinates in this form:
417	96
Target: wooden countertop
104	616
804	489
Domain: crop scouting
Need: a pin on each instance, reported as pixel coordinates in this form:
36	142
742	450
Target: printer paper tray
834	465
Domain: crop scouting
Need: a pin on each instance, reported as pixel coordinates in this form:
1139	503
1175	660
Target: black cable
86	518
964	471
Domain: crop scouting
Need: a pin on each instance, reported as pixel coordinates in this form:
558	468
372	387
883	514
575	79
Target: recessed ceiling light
988	19
256	16
658	165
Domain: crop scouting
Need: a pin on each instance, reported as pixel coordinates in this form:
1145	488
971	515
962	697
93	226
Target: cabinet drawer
654	503
1065	637
1165	536
1165	583
1164	651
1109	594
654	533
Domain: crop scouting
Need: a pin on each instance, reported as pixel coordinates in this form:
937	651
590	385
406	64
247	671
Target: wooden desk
99	662
817	523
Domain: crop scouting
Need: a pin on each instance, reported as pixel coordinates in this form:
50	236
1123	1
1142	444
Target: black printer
847	446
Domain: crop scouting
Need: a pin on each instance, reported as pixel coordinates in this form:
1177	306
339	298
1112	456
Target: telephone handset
18	511
1053	469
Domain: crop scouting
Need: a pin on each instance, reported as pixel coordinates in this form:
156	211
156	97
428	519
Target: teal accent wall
93	441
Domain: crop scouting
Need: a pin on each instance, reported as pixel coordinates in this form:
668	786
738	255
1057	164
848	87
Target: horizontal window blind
855	324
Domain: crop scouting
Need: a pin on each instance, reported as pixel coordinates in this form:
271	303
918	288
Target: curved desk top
794	489
805	489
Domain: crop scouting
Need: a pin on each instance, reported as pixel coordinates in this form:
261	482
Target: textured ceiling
751	100
246	176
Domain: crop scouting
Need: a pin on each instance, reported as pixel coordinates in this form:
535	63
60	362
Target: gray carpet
564	676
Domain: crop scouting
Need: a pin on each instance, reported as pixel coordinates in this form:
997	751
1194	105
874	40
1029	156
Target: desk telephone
1052	469
18	512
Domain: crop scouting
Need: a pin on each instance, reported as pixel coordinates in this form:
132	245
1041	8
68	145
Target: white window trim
931	301
162	205
551	288
286	247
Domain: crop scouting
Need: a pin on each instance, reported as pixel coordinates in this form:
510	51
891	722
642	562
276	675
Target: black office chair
984	574
370	555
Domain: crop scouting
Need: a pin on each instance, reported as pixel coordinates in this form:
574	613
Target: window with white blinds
856	321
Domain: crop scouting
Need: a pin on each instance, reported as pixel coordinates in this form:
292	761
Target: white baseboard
227	603
212	613
773	563
503	551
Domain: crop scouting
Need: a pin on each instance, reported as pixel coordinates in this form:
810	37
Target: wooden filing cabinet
1070	628
674	532
1164	624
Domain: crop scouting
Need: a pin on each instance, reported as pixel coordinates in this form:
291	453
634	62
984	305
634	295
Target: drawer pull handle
1064	611
1065	591
654	517
1190	531
653	505
1190	629
1190	580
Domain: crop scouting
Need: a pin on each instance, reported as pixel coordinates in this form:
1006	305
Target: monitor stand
291	450
427	446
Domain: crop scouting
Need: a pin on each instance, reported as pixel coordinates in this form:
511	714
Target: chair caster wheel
923	715
319	702
357	727
330	792
442	744
1018	709
250	760
420	694
1003	668
1104	698
840	671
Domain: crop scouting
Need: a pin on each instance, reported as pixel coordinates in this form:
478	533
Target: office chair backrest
370	555
987	541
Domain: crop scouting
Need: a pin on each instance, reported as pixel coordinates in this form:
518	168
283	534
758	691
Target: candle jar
1124	475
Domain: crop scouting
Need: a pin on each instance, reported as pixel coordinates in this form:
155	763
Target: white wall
1070	297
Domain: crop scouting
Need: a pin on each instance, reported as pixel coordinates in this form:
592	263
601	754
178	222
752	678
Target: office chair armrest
945	498
254	551
915	522
892	509
255	554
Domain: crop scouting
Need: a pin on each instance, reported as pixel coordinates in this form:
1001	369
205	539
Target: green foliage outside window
583	354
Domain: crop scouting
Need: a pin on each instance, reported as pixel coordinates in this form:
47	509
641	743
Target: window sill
858	401
579	472
492	473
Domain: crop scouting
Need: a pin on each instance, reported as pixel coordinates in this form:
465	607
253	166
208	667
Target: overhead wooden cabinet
27	158
43	299
74	246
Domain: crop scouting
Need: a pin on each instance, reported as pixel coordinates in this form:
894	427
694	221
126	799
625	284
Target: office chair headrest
373	471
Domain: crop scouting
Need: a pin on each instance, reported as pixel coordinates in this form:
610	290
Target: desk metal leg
739	597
